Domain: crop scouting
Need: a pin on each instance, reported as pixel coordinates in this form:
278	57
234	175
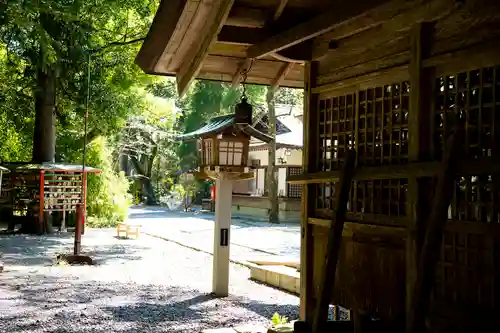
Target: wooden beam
300	52
280	9
418	121
240	16
386	25
429	257
163	26
284	69
215	20
309	154
485	165
241	35
327	282
280	57
244	67
310	29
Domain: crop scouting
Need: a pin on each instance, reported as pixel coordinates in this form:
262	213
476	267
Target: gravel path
197	231
148	285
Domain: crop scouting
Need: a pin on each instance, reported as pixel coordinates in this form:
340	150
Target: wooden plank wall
391	96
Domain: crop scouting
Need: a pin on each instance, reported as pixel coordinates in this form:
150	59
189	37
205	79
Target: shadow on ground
69	306
27	250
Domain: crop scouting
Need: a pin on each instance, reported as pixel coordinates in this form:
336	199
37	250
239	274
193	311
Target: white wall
294	159
281	182
261	174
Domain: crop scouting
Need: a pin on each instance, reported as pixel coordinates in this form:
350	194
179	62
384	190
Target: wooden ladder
420	298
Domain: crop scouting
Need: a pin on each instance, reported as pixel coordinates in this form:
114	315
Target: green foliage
59	36
107	197
279	320
164	89
186	188
289	96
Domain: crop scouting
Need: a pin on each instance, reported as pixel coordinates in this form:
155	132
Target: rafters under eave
353	18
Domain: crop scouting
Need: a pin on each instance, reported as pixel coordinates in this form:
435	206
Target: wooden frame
440	65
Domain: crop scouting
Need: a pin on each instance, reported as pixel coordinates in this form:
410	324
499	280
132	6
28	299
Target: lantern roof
48	166
221	123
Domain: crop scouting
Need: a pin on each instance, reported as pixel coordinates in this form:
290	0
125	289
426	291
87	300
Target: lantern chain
244	73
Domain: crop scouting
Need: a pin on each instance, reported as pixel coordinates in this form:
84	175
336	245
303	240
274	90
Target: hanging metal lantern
243	112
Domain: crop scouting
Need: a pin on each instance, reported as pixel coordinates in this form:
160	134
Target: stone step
247	328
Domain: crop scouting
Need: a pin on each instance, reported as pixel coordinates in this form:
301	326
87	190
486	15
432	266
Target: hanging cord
85	120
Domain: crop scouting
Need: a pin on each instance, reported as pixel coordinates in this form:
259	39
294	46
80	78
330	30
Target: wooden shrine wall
389	94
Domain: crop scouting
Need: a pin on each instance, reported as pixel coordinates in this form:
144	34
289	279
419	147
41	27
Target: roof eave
167	17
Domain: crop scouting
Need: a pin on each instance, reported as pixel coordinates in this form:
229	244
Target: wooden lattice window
208	153
383	124
471	102
465	271
336	130
230	153
294	190
377	127
385	197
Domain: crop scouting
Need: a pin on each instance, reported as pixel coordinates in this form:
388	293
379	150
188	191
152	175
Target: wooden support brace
433	237
327	282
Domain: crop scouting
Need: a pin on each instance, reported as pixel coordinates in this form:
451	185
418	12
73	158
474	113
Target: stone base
71	259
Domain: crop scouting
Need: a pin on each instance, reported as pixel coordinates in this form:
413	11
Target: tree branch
118	44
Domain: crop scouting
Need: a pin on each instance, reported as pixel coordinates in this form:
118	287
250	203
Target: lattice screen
294	190
468	268
383	124
471	101
375	123
465	273
336	130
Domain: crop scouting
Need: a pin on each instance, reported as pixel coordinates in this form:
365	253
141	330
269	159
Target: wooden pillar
309	154
222	228
421	83
272	182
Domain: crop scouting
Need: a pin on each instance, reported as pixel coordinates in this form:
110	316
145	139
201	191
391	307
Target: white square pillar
223	203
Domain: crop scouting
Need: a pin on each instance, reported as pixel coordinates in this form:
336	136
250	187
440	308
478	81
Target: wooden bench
128	229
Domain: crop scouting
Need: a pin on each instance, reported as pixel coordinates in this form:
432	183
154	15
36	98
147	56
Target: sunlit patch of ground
147	285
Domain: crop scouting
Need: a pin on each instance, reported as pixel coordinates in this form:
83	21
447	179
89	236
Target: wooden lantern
224	152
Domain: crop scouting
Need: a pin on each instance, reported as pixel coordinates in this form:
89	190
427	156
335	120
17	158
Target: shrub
108	200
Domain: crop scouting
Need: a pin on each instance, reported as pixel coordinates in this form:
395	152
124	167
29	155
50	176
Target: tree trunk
147	186
44	138
272	182
124	164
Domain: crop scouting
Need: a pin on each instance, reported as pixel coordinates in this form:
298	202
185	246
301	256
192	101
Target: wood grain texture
193	61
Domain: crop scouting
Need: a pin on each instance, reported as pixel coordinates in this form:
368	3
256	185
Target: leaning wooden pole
327	282
272	182
429	256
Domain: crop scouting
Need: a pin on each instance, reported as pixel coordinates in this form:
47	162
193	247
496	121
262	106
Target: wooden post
272	183
326	287
418	144
222	228
309	155
42	199
78	230
433	238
